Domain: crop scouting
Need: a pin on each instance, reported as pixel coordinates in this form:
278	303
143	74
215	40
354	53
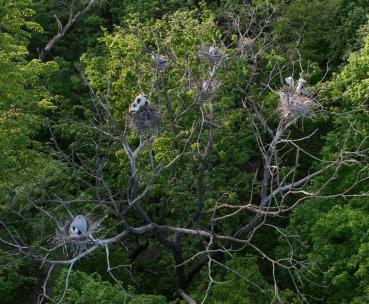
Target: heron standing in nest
141	116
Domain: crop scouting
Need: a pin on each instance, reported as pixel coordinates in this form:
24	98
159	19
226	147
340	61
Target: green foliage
147	299
241	282
92	289
16	278
334	240
324	37
86	288
348	97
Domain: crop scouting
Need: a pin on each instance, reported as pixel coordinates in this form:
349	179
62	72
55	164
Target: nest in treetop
145	120
63	236
212	54
161	61
293	104
246	45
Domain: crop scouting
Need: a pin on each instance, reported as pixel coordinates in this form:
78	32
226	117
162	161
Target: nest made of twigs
63	237
246	45
145	120
294	105
161	62
213	54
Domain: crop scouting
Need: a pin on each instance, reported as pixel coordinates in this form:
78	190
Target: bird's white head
301	84
139	102
213	51
290	81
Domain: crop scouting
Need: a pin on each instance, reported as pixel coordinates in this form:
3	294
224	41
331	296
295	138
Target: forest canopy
157	152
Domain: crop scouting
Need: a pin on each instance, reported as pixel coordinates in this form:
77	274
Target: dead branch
63	29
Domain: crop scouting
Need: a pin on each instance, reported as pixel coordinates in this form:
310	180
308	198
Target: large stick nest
162	62
213	54
294	105
145	120
63	237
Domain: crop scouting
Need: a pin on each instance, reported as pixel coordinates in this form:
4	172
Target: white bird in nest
301	85
213	51
139	102
290	81
78	227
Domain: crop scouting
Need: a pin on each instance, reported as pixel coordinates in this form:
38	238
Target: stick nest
294	105
162	62
63	238
213	54
145	120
